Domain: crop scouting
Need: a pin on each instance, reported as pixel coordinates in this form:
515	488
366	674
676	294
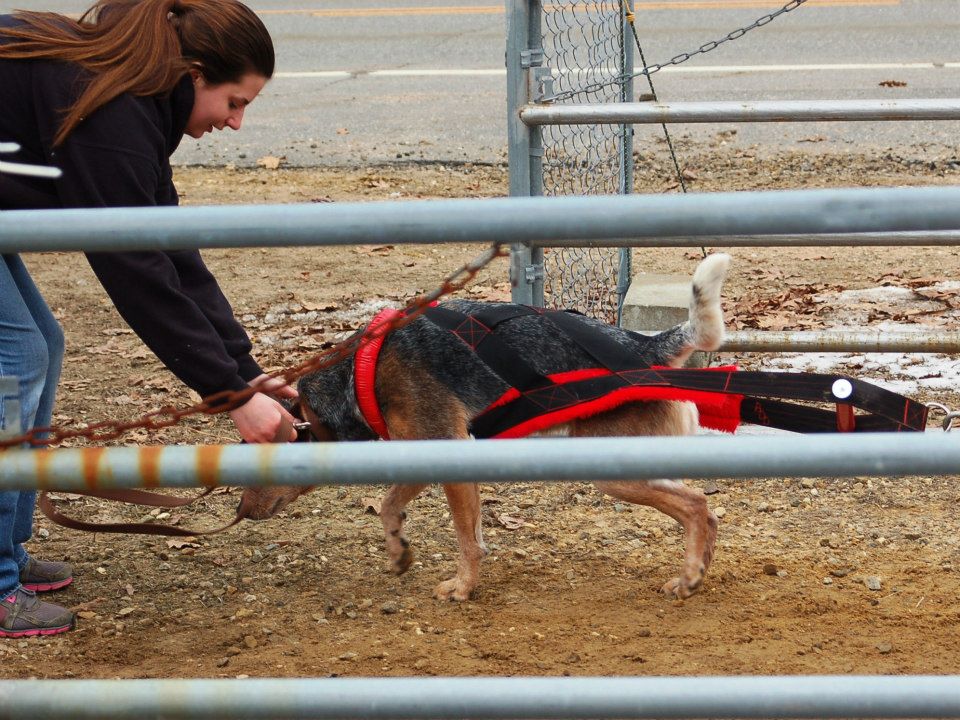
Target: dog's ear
321	432
318	431
292	406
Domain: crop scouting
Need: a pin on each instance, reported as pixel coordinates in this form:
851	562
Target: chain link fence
583	42
588	45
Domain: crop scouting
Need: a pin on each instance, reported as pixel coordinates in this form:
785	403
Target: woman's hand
260	419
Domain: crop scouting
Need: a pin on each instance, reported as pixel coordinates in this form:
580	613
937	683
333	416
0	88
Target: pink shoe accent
33	632
46	587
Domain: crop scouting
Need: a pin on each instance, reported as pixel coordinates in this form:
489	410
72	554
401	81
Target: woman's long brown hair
144	47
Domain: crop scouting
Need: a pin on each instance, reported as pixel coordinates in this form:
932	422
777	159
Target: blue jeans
31	349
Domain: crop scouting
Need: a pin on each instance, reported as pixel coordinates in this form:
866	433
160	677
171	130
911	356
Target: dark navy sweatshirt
120	157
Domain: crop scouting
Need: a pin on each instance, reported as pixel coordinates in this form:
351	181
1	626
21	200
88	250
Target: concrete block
658	302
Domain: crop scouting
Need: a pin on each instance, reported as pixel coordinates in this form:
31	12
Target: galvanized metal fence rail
518	698
527	221
755	111
486	461
846	217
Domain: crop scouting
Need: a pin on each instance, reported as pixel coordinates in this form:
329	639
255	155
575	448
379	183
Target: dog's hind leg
686	505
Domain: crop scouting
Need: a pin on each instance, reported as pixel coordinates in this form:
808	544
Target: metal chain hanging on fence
678	59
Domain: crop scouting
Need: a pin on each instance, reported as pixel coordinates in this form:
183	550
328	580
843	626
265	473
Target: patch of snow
878	294
904	373
363	312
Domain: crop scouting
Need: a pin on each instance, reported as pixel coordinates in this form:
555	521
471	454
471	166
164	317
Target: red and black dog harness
724	396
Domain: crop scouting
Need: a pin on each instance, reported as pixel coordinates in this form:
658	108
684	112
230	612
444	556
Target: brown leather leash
135	497
151	499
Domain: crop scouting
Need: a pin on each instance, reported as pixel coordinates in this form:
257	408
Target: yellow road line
638	6
735	4
385	12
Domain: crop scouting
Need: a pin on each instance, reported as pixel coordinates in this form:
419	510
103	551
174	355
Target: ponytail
144	47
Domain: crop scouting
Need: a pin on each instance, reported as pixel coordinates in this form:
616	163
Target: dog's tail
706	315
703	330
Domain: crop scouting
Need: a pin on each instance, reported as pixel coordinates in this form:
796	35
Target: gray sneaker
24	615
45	575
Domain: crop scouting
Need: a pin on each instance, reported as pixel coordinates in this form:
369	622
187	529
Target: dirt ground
811	576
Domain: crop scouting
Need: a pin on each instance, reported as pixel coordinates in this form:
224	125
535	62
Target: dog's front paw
401	556
453	589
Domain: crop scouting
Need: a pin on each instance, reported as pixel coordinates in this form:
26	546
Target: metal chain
223	401
649	70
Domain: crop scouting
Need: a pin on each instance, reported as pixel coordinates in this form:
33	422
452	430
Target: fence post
525	73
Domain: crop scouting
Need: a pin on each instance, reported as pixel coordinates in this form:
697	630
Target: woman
107	100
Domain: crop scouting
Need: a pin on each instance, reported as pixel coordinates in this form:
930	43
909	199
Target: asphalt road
376	81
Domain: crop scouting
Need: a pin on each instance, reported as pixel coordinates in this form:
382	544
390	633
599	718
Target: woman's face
220	106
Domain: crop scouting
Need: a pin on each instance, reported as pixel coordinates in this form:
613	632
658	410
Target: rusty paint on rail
148	459
208	465
266	461
42	460
90	465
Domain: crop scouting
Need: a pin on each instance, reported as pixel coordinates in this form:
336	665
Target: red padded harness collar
365	373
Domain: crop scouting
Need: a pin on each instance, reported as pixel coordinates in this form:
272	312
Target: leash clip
304	431
948	415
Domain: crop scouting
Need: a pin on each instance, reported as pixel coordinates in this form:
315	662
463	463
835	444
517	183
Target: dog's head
261	503
328	403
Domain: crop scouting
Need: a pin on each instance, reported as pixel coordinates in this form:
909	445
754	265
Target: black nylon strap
806	419
478	332
890	415
808	386
804	386
493	315
605	350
